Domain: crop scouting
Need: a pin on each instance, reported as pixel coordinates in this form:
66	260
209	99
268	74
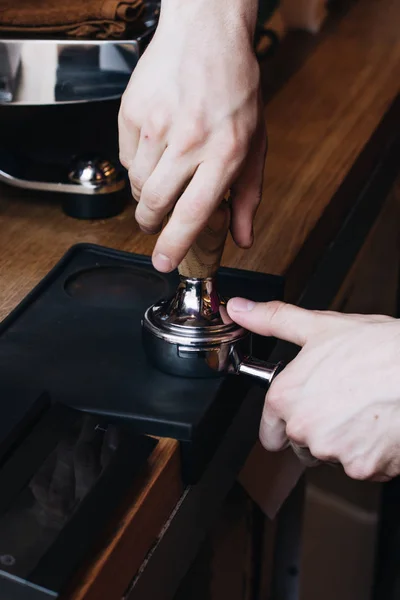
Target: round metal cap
196	337
93	171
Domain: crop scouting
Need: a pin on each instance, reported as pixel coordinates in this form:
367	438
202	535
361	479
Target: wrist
240	15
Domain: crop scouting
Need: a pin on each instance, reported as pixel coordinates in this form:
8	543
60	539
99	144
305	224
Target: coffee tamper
191	334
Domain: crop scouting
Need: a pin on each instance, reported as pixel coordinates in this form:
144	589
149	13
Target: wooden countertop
319	122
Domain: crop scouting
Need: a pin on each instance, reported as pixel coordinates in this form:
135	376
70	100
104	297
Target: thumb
275	319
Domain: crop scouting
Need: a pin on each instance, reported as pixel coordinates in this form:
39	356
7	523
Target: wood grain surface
204	257
134	529
318	124
371	285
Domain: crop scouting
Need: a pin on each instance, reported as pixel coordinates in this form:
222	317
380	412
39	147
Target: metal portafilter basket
191	334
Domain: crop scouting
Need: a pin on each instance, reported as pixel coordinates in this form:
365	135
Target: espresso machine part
191	334
92	186
39	74
51	71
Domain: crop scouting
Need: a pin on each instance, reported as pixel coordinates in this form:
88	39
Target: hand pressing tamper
191	334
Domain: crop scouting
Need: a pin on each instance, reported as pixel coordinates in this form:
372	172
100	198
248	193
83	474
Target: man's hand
191	124
340	396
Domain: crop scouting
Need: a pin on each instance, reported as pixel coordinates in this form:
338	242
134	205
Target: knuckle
235	146
296	431
136	182
154	199
127	116
135	194
155	126
360	469
276	396
276	311
125	162
194	135
380	319
143	221
122	112
139	215
253	126
319	449
233	151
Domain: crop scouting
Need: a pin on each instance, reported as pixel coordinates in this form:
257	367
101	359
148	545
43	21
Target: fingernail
162	263
241	305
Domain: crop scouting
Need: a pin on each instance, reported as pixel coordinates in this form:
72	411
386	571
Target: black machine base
40	146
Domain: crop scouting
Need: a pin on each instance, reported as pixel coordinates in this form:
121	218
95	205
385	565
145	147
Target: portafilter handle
266	372
261	370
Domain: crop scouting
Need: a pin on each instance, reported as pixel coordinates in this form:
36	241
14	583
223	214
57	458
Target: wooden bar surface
319	123
128	538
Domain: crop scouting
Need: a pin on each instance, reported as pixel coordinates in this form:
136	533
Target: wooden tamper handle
204	256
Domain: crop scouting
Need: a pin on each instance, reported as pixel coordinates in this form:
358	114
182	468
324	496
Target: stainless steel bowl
49	71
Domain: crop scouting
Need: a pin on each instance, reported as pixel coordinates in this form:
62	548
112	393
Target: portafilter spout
191	334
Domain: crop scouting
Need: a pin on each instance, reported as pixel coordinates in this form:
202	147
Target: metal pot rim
185	335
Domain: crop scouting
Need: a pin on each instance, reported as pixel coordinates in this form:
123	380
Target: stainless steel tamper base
191	335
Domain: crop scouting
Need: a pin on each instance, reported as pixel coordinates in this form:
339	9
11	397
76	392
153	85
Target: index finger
277	319
190	216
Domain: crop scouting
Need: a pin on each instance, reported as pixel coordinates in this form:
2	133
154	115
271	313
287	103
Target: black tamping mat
19	412
77	335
